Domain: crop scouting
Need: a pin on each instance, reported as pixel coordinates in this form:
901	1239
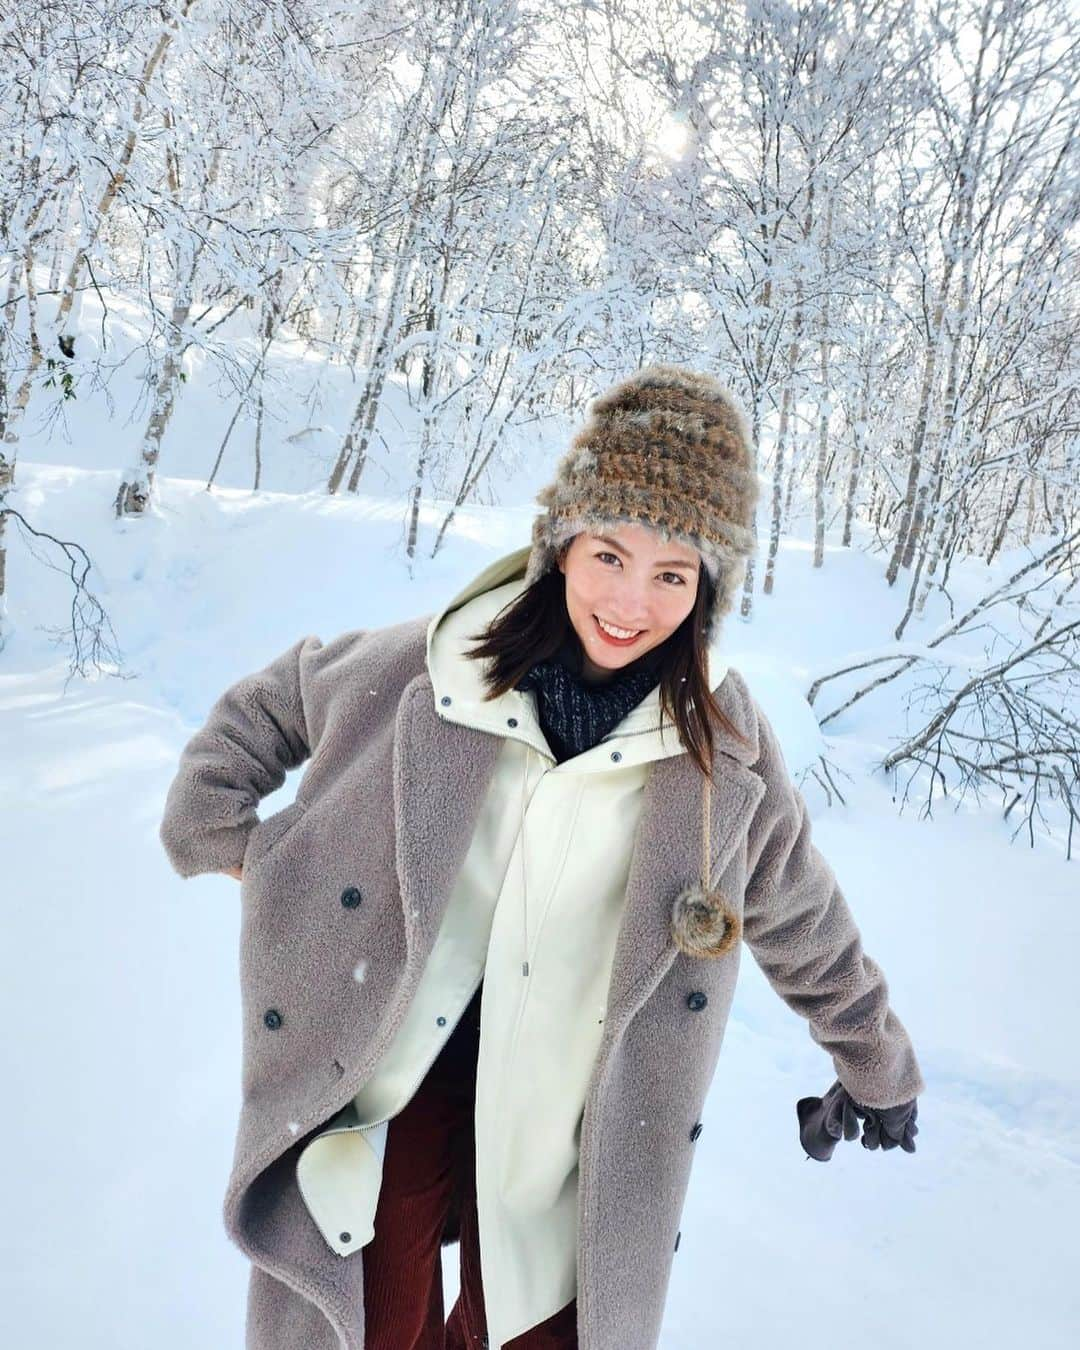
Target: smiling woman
485	966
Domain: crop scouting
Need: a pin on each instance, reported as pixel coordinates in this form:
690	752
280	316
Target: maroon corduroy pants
430	1151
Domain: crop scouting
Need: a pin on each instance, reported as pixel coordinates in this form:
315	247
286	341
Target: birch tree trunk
824	405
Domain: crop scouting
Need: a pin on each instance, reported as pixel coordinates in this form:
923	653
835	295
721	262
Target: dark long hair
535	624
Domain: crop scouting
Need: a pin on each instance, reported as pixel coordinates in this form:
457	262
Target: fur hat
668	448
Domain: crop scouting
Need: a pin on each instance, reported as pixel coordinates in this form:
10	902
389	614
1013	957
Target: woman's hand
825	1120
237	872
887	1126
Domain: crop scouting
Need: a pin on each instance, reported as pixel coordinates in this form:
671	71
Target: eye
680	579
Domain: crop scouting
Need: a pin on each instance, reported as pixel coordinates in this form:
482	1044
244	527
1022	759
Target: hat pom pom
704	924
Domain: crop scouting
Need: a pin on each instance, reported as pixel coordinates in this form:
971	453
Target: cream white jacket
543	882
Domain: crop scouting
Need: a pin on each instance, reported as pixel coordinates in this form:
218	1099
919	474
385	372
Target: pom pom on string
704	924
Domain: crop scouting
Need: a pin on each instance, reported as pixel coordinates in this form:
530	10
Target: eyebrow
668	562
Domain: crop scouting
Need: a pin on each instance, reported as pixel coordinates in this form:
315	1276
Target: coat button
616	755
272	1018
350	897
696	1001
696	1131
511	721
445	700
441	1021
344	1237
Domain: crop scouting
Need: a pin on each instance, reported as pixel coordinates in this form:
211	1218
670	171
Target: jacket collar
459	689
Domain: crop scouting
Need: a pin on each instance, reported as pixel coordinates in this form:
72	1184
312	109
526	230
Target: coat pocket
269	833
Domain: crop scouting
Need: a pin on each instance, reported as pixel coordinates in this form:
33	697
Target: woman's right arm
255	732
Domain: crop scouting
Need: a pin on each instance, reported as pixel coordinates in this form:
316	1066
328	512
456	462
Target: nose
621	608
612	616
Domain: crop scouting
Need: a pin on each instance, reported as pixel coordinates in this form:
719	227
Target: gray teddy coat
386	804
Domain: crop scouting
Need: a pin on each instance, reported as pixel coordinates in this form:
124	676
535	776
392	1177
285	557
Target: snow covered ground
122	1039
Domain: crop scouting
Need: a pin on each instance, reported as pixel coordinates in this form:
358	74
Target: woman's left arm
802	934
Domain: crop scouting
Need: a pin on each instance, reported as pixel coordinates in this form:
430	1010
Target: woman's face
633	580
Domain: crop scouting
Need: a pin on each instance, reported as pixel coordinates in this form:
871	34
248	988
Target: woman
486	958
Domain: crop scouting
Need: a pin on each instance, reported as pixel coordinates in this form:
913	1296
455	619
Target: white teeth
616	632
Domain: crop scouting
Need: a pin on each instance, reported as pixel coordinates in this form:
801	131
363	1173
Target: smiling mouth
632	634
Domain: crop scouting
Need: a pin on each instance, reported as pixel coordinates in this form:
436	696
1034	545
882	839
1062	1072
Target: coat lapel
667	855
441	773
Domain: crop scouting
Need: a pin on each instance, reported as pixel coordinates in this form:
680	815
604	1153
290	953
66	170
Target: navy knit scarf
575	713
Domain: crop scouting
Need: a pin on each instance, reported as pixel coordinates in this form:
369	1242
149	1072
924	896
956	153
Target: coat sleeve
256	731
802	934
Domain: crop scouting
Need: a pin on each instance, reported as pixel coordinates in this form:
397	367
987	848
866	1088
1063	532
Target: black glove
887	1126
822	1121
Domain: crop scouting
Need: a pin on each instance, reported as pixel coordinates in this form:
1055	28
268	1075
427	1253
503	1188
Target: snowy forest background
299	302
864	217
